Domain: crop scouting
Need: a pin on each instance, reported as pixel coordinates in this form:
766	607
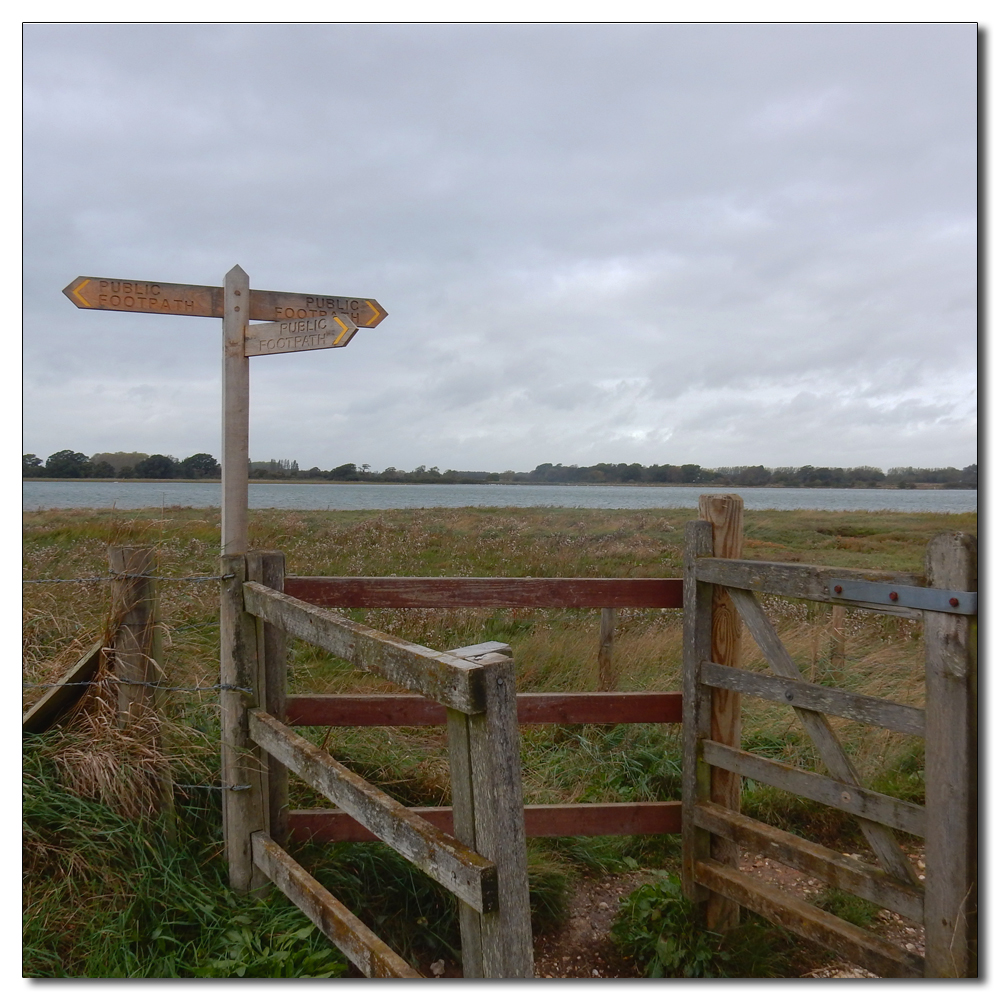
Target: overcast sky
722	244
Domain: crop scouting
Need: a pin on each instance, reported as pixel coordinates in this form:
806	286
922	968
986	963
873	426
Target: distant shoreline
397	482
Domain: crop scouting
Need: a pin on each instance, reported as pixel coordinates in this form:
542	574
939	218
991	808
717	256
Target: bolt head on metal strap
892	595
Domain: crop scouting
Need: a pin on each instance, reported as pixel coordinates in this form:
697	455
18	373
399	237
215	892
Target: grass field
79	899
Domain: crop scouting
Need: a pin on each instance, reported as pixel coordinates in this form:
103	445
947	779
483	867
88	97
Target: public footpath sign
293	321
120	295
298	335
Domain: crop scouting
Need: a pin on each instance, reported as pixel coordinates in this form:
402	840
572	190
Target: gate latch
956	602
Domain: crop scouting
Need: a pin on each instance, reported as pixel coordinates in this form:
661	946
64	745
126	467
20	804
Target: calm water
378	496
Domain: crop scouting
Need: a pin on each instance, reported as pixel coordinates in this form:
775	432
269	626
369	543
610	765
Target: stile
951	766
725	513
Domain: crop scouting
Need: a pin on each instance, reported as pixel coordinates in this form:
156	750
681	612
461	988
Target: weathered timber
133	611
853	943
451	680
882	841
56	701
485	759
607	674
838	638
725	513
478	649
570	708
695	776
484	592
951	766
268	568
170	299
467	874
372	956
818	698
244	774
235	413
590	819
837	869
793	579
857	801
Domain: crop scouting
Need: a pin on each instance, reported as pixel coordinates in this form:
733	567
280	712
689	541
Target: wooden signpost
293	321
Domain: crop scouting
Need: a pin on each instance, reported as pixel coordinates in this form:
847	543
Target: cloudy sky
723	244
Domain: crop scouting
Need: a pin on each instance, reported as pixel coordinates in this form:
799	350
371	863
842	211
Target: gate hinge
956	602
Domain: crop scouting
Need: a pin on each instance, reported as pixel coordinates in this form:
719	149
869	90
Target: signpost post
292	322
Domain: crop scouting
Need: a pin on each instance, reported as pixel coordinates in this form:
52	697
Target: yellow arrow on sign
76	293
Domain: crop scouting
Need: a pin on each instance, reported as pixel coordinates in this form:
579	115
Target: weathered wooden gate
487	872
719	594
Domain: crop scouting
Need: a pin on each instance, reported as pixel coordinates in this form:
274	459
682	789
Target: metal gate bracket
956	602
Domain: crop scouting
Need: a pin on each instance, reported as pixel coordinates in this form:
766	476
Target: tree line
137	465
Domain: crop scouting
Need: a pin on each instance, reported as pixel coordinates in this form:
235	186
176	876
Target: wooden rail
366	950
591	819
468	875
576	708
484	592
450	680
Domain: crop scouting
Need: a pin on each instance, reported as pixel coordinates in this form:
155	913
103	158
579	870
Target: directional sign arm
298	335
121	295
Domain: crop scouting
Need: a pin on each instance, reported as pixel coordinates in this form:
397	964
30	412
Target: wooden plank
695	774
172	299
244	777
235	414
837	869
589	819
607	674
291	335
448	679
818	698
951	768
859	946
369	953
849	798
485	756
56	701
792	579
268	568
725	513
882	841
467	874
566	708
484	592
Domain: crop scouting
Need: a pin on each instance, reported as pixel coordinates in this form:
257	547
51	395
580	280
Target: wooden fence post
488	808
951	766
607	675
244	779
697	707
136	643
725	513
133	614
268	568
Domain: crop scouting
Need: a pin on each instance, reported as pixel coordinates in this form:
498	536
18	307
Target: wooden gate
719	593
486	870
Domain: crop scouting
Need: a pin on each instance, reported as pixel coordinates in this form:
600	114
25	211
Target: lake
382	496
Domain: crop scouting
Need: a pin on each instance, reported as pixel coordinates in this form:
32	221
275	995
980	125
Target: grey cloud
595	242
